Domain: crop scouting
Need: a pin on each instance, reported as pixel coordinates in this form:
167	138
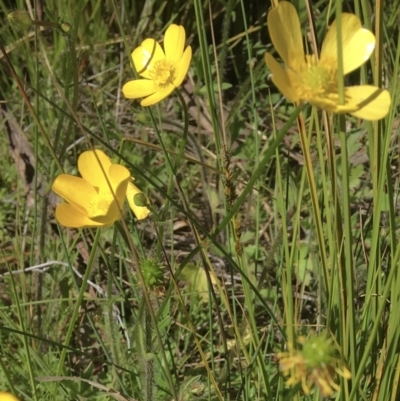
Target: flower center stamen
316	80
163	73
100	205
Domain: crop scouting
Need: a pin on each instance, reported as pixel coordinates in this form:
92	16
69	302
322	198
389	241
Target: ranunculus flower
162	71
95	200
306	79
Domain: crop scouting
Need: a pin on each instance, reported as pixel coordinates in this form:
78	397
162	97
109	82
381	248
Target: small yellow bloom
95	199
306	79
7	397
162	71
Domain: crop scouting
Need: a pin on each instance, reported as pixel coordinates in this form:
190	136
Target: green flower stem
182	146
347	267
78	303
305	145
46	24
170	168
173	168
158	134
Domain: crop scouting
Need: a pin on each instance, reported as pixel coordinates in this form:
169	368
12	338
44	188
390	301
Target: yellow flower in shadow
306	79
7	397
163	71
315	363
95	200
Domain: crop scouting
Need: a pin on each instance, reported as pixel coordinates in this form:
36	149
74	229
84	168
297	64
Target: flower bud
152	272
140	199
65	26
19	20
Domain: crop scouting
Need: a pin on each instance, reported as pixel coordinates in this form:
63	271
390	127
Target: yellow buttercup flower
307	79
162	71
95	200
7	397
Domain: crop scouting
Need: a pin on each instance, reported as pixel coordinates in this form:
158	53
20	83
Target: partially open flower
306	79
96	199
162	71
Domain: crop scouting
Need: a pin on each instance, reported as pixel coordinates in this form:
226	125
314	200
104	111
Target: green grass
266	231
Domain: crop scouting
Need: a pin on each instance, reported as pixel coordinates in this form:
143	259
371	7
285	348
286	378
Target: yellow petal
285	32
281	78
357	44
106	217
182	66
331	104
157	96
75	190
146	55
7	397
138	88
371	103
108	207
68	216
119	178
93	167
141	212
174	42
